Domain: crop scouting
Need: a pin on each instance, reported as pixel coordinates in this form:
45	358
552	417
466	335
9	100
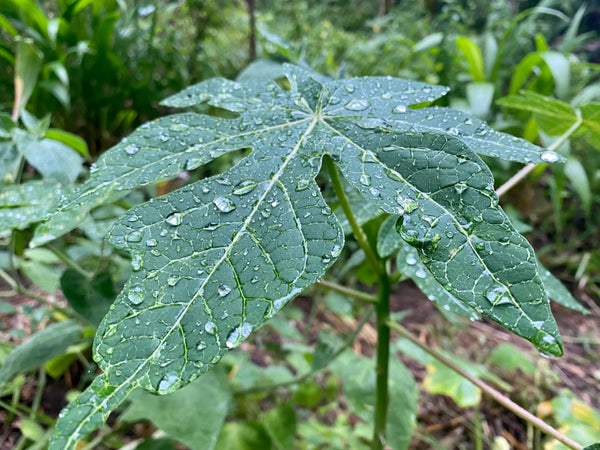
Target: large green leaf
214	260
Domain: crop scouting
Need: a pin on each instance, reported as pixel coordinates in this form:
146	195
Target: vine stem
382	309
517	177
489	390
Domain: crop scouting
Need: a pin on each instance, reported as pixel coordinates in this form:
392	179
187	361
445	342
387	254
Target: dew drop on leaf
201	345
174	219
411	260
169	383
302	184
132	149
210	327
549	156
244	187
399	109
420	273
223	290
238	335
136	295
134	236
224	204
172	280
357	105
365	180
152	242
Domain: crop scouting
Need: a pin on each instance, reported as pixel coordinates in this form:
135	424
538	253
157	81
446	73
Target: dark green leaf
216	259
89	297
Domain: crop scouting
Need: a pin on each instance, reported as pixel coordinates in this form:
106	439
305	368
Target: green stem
69	261
489	390
359	234
382	310
349	292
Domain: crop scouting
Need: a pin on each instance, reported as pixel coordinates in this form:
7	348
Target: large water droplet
411	260
132	149
238	335
245	187
400	109
193	163
549	156
420	273
169	383
201	345
223	290
357	105
178	127
210	327
365	179
174	219
152	242
134	236
302	184
173	280
224	204
136	294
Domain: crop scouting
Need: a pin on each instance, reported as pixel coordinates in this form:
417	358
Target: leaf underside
216	259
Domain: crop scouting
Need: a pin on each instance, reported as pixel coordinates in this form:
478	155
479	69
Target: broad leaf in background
42	346
216	259
27	203
578	421
193	415
358	375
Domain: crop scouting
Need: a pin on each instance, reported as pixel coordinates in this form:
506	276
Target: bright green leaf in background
216	259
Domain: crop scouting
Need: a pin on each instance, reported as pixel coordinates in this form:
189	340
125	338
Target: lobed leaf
216	259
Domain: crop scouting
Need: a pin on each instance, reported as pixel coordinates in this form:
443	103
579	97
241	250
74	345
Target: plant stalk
495	394
359	234
382	310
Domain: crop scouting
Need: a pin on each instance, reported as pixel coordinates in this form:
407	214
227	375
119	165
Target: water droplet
193	163
224	204
178	127
549	156
132	149
201	345
174	219
223	290
365	180
152	242
357	105
216	359
468	121
245	187
336	250
169	383
400	109
173	280
420	273
302	184
210	327
427	89
349	87
481	130
136	294
411	260
134	236
137	262
238	335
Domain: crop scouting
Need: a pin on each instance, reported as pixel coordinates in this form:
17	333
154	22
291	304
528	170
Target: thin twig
517	177
495	394
349	291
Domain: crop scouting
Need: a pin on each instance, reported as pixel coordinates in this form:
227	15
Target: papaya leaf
215	259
